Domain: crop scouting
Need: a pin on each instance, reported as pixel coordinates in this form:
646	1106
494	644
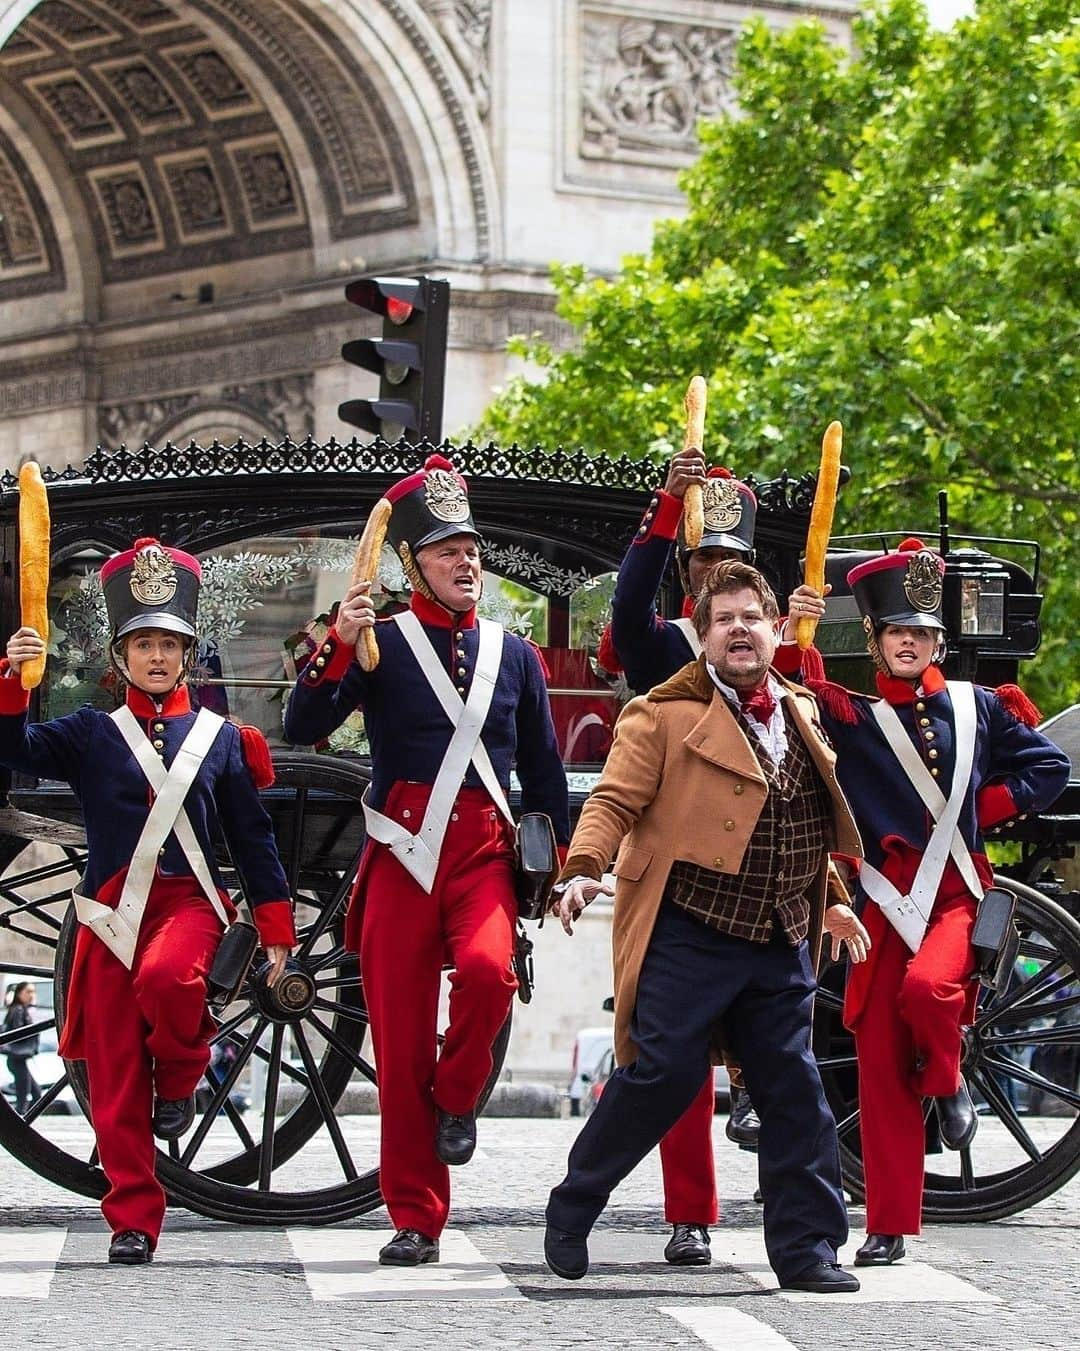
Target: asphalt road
1011	1284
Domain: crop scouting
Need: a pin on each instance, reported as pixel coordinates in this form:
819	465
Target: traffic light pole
409	358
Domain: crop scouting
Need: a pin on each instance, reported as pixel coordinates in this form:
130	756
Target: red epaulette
256	751
1015	701
544	667
606	656
835	700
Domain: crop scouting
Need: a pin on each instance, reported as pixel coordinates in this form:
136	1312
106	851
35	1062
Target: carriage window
267	602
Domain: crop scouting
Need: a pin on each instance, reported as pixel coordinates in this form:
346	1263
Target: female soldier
924	751
154	778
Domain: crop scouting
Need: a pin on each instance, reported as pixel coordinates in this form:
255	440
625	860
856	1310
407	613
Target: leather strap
119	928
910	914
686	628
419	854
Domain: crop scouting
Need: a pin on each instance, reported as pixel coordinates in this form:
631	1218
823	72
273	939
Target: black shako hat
730	510
430	505
900	588
151	586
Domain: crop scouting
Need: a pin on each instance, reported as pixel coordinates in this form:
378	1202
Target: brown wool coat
682	782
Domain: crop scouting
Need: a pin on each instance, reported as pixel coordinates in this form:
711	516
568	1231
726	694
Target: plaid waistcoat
782	860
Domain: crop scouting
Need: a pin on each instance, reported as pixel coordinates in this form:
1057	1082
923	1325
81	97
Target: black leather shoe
688	1246
131	1248
823	1278
566	1254
173	1116
880	1250
409	1248
743	1125
455	1137
957	1118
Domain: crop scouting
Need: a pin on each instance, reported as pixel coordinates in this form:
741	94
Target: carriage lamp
976	595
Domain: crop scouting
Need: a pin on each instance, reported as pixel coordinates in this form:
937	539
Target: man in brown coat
720	796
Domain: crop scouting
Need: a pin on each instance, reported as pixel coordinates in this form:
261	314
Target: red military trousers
408	937
686	1158
143	1032
908	1042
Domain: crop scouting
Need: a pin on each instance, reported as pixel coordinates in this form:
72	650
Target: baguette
33	565
365	567
694	438
821	518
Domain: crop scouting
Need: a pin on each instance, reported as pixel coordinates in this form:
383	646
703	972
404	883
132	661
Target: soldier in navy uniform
907	1005
650	649
436	883
152	915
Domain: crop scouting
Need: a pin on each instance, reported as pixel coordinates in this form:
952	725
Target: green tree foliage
890	238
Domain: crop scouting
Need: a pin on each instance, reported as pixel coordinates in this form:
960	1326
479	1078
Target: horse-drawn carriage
275	527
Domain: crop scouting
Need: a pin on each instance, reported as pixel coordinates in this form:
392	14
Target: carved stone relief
74	107
197	195
74	27
29	256
283	406
127	207
222	92
267	179
645	84
21	245
466	29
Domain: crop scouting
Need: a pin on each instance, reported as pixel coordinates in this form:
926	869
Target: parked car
46	1067
591	1083
592	1046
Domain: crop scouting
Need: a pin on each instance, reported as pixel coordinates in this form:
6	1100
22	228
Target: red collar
688	603
897	691
431	612
177	702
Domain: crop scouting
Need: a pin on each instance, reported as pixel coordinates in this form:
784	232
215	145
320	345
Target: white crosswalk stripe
344	1264
28	1258
727	1328
905	1282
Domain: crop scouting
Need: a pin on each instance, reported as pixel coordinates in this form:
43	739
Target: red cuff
274	921
562	850
787	659
993	805
13	698
330	662
668	515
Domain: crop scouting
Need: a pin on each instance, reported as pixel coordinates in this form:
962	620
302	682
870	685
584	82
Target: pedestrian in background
22	1050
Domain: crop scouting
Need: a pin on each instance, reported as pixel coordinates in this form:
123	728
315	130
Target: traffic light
409	358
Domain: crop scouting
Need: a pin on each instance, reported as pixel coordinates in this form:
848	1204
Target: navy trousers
692	977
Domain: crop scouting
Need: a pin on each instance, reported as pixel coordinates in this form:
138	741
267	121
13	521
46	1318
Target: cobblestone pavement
1011	1284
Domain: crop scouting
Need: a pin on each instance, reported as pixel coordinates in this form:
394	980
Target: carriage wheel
293	1051
1021	1059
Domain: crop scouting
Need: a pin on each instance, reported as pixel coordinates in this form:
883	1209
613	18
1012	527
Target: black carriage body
553	525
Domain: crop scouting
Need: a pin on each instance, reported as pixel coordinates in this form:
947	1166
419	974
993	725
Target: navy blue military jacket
1016	769
408	730
86	749
650	648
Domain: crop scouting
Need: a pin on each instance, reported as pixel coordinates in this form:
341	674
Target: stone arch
229	129
193	180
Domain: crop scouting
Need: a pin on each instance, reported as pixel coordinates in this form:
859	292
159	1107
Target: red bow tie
757	703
